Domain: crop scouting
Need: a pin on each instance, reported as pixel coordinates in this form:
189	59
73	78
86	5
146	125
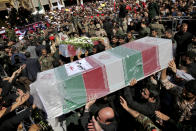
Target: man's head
190	57
194	40
143	25
114	39
27	54
184	27
129	35
154	33
44	52
189	92
168	34
156	19
106	115
150	93
98	26
121	2
61	29
83	30
121	39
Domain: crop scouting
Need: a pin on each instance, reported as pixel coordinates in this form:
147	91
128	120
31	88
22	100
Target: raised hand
162	116
172	65
94	125
21	99
133	82
20	92
89	104
79	54
123	103
86	53
91	126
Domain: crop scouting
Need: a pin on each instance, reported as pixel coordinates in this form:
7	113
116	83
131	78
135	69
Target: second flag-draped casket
68	87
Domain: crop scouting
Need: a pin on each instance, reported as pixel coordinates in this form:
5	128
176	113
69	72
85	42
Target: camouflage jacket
46	62
147	123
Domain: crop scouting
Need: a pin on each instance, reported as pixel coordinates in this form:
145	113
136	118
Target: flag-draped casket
68	87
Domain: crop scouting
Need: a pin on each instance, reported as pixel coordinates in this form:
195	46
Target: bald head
105	115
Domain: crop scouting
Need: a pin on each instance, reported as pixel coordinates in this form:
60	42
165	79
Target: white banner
77	67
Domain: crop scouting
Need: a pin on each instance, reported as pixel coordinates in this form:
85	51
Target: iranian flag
19	32
68	87
114	5
82	4
3	34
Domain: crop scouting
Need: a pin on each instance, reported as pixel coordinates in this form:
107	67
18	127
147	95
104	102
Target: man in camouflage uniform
159	28
69	27
146	123
118	31
130	37
144	31
45	61
92	28
100	32
11	34
83	25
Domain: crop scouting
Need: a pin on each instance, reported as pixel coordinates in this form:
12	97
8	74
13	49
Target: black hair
28	54
169	31
191	55
114	36
17	58
143	23
153	89
99	47
190	86
153	30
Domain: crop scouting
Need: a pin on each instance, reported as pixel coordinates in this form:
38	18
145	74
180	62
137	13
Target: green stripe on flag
71	88
60	73
132	62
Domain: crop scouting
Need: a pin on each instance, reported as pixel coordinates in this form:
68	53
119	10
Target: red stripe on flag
114	6
71	50
95	80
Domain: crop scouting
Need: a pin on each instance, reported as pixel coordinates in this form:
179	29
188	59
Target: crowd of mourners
163	101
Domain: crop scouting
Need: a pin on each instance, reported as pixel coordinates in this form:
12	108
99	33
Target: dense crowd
163	101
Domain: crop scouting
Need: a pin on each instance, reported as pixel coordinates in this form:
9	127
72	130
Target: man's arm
144	120
19	101
174	124
128	93
179	73
86	115
174	89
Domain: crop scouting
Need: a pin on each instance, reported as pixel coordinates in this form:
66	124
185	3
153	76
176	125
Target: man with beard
46	61
98	117
143	98
114	42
